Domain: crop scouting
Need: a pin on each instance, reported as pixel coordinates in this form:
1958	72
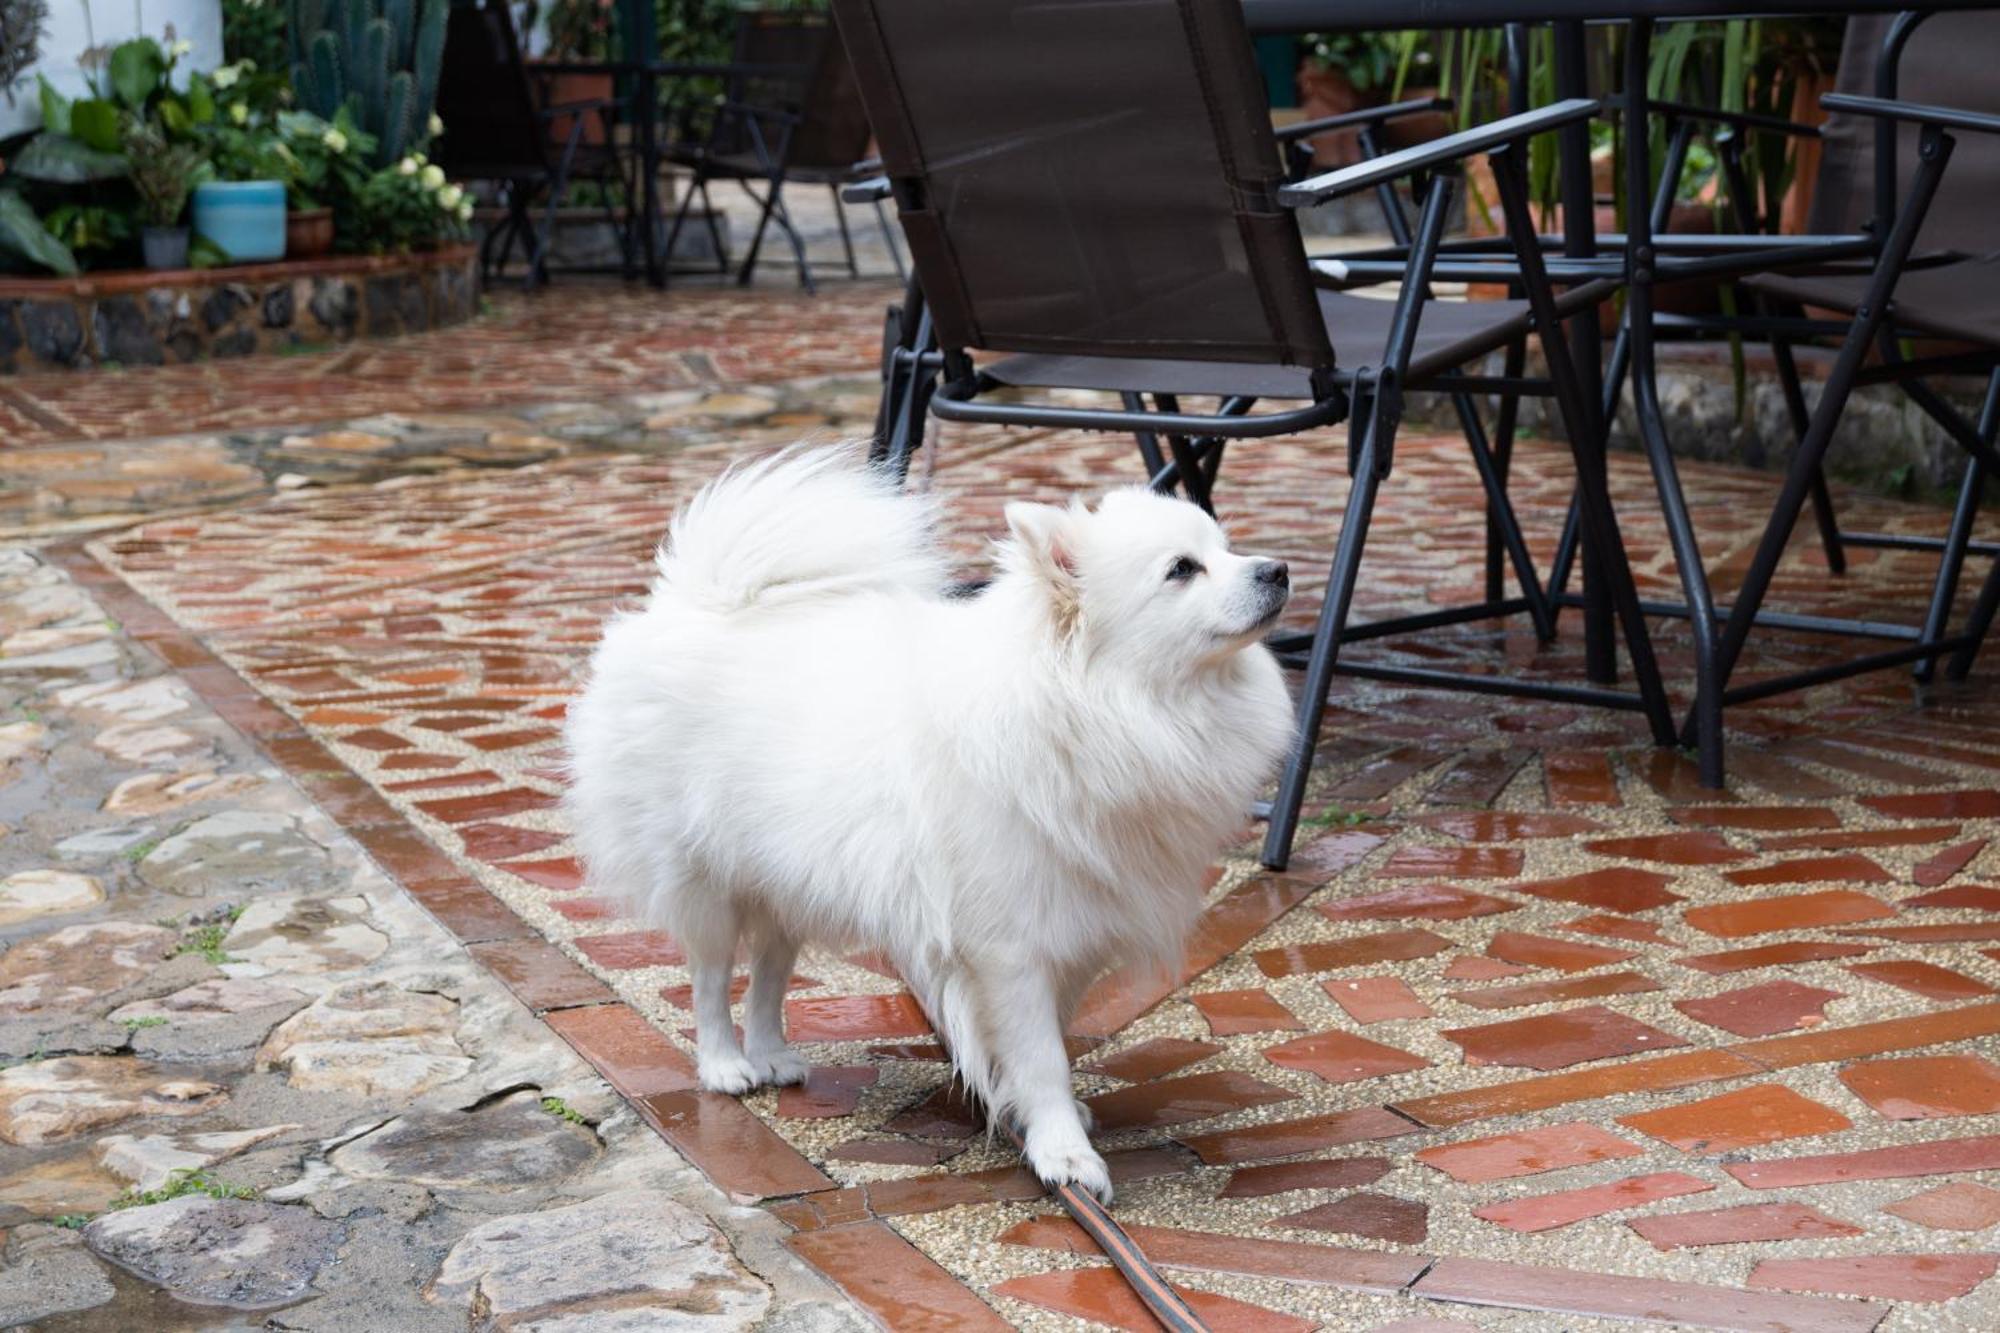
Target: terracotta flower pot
308	233
1329	92
564	89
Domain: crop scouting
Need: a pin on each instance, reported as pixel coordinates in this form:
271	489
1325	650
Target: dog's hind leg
1032	1076
709	937
764	1009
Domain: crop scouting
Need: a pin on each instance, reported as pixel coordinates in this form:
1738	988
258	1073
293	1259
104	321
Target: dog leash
1161	1300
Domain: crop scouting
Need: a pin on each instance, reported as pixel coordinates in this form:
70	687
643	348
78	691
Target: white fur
802	739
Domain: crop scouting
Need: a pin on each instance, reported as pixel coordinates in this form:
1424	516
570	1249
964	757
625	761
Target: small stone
507	1145
238	1252
46	1271
149	1161
631	1259
371	1039
158	793
32	893
53	638
48	1186
128	701
238	852
137	743
289	934
46	1100
220	1019
100	844
76	964
20	738
339	441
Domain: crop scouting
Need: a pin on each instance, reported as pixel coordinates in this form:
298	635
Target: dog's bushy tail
805	522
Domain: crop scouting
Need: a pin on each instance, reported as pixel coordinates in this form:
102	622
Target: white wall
74	26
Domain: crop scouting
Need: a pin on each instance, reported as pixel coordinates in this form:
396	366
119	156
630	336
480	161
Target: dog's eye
1183	569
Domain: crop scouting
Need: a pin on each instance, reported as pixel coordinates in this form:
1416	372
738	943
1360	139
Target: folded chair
1921	265
500	130
1126	226
790	113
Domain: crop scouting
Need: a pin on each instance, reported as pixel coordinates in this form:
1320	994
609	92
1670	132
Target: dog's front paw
780	1068
731	1073
1066	1158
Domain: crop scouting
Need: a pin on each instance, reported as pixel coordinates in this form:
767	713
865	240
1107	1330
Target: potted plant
163	174
1342	72
324	160
407	206
578	31
241	209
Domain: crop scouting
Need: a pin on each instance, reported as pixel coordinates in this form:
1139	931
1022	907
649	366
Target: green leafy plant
1370	60
377	58
70	1221
182	1182
140	1024
206	942
254	30
163	173
97	227
407	206
324	160
24	238
562	1110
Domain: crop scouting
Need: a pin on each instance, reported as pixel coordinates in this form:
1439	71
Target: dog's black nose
1276	573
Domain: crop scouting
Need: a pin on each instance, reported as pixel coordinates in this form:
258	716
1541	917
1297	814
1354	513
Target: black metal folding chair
1126	227
499	130
790	114
1924	267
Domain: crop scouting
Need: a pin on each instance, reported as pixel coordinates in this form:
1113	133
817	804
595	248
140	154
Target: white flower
239	112
436	124
335	141
465	210
407	167
432	177
180	48
226	76
449	197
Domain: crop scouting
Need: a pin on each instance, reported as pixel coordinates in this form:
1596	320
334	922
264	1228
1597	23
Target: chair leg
769	202
1332	623
798	242
1976	626
889	239
846	239
1149	446
1951	559
716	240
1822	499
1187	462
1500	517
1503	461
695	182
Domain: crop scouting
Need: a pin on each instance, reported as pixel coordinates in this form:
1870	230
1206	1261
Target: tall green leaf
22	233
136	68
95	122
61	160
55	108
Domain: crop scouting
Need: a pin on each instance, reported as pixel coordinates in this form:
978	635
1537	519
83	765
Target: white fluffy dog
803	738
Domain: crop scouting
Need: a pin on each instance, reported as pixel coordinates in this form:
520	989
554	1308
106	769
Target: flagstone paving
1535	1033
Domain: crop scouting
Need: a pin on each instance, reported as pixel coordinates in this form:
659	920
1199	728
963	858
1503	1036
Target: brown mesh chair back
832	133
1951	60
780	55
1090	177
484	97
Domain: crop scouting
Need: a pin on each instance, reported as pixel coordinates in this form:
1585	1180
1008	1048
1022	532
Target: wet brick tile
629	949
1616	928
1287	1261
1679	849
1761	1010
1679	1069
1850	867
1973	897
562	873
486	805
1152	1059
1342	1057
1547	992
1255	1182
1903	1161
1758	818
894	1152
1962	1205
1507	825
1389	946
1744	1118
1476	862
633	1056
1513	946
1889	1277
829	1091
1376	999
1921	978
1936	870
1289	1138
854	1017
1967	932
1474	967
1579	777
540	975
1177	1101
1102	1296
1526	1152
893	1280
1803	911
1609	889
1547	1212
1558	1040
1770	955
1856	1040
1232	1011
1403	902
1364	1213
1609	1296
1976	803
1926	1086
1852	839
1744	1224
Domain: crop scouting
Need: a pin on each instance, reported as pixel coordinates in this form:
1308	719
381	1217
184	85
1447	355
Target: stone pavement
1535	1034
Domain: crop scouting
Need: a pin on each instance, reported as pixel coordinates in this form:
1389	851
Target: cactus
377	58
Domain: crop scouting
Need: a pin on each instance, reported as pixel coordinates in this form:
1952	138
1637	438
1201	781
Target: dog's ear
1044	542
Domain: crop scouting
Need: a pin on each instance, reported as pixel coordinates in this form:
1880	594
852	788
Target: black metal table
1642	261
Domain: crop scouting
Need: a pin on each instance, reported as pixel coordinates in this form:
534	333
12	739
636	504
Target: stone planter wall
146	318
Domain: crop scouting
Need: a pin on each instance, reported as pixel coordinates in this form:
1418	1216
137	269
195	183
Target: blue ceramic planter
243	219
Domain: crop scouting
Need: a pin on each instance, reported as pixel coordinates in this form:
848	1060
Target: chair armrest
1373	115
873	190
555	109
1886	108
1743	120
1420	157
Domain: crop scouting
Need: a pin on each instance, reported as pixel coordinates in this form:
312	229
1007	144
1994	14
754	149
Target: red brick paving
430	631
